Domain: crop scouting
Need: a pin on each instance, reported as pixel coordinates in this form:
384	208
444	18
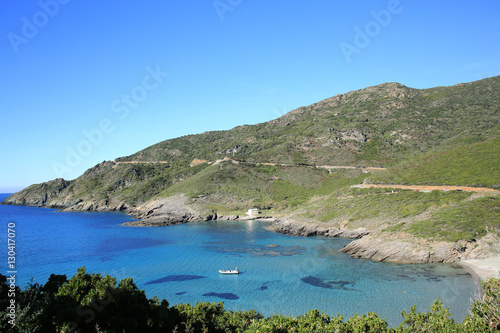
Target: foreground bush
90	302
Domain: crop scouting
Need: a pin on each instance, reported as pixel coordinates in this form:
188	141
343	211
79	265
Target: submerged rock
170	278
229	296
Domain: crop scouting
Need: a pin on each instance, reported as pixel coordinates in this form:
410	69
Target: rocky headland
54	194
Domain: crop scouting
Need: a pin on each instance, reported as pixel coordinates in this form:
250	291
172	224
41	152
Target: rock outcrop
411	250
103	205
167	211
307	229
172	210
398	248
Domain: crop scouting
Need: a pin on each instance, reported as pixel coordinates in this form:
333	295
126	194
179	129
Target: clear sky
86	81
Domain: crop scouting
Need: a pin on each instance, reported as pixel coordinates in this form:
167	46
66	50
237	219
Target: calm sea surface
279	273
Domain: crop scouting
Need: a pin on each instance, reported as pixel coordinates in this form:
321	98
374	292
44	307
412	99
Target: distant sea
279	273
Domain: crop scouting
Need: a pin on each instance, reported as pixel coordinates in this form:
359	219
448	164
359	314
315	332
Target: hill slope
374	126
437	136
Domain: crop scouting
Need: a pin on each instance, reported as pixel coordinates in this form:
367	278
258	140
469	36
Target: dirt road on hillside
199	161
431	188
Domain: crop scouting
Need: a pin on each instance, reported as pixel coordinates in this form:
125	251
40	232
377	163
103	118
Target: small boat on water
229	271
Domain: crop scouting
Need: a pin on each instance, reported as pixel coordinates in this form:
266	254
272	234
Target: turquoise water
279	273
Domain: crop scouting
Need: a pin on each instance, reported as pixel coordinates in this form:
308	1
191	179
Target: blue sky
83	82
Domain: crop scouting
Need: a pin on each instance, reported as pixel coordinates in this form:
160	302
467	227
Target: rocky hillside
374	126
300	167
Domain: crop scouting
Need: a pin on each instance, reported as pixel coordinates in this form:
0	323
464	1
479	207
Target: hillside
474	164
300	167
374	126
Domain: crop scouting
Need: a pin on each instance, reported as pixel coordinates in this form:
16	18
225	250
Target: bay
280	274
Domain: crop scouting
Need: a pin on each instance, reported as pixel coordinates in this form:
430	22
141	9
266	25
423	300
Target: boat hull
229	272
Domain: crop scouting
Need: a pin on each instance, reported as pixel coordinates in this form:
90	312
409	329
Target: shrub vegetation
90	302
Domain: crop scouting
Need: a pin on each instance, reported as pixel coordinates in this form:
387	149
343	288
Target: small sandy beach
484	268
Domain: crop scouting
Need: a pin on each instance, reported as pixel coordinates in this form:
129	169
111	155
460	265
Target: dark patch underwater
321	283
170	278
222	295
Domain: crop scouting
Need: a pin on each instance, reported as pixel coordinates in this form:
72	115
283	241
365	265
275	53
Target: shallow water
279	273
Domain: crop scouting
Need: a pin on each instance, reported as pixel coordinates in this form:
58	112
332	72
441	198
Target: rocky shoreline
306	229
394	248
406	249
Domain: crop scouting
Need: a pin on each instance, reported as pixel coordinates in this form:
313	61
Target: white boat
229	271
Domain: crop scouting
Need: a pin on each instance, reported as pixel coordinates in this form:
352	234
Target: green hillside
302	164
230	187
468	165
378	125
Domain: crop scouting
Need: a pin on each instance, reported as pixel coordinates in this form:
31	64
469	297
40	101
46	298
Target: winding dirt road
431	188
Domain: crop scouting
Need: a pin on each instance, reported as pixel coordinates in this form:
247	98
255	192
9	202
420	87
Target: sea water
279	274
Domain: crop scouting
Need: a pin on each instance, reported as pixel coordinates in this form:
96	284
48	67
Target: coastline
483	268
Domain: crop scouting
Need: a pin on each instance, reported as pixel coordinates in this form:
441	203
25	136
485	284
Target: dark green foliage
437	319
89	302
212	317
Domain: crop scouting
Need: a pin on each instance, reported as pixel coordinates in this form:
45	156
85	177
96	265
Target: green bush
487	310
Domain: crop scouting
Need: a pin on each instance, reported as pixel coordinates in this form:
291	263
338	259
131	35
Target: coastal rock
168	211
345	233
227	217
103	205
410	250
394	251
307	229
